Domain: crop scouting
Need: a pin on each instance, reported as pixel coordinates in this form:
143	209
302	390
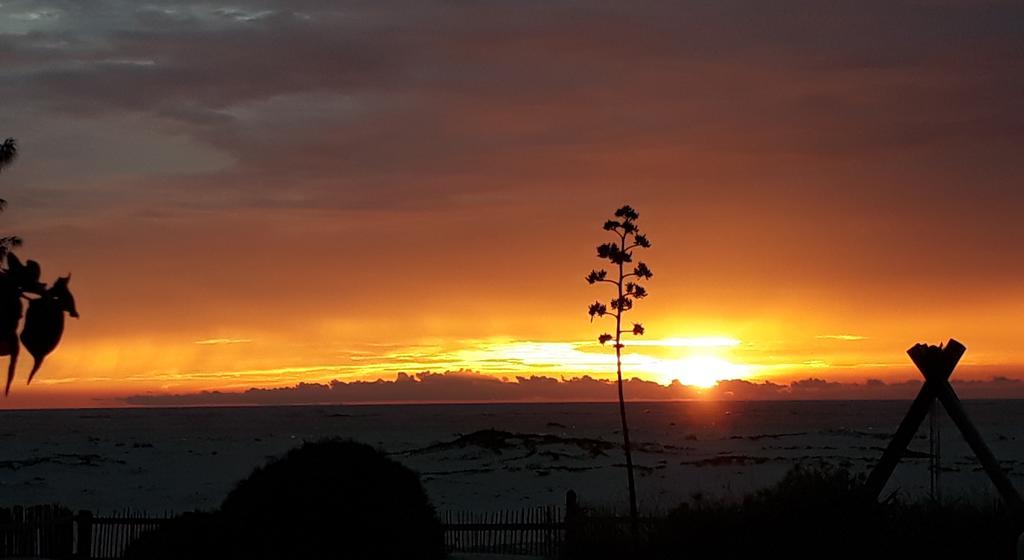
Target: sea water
182	459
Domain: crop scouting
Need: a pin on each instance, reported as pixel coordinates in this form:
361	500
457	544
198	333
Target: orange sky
414	189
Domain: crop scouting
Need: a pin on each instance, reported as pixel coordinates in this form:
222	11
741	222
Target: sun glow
238	361
702	371
688	342
696	361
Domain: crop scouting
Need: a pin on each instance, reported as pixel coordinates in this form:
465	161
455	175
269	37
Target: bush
813	512
328	499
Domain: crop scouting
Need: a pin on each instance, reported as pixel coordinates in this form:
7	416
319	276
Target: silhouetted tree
628	289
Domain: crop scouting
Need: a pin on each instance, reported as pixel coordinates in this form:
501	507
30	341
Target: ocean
488	457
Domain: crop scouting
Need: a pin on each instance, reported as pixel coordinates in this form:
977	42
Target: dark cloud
463	386
385	104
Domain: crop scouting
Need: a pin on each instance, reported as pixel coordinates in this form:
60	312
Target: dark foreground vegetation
328	499
818	512
344	500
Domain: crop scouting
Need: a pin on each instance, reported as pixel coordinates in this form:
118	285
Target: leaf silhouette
8	151
627	212
614	253
622	304
44	321
596	276
641	271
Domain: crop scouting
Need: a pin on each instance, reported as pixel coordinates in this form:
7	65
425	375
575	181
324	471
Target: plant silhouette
8	152
44	325
44	322
331	498
628	289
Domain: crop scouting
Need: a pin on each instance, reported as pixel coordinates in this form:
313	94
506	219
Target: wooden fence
56	532
36	532
110	536
534	532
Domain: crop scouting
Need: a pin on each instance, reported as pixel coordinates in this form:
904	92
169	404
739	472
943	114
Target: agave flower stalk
619	253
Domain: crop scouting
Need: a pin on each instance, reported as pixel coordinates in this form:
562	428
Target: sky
266	194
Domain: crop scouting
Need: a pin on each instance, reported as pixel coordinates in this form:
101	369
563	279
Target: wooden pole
937	363
988	461
898	444
943	363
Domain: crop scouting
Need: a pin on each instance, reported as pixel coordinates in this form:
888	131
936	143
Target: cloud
455	95
218	341
843	337
468	386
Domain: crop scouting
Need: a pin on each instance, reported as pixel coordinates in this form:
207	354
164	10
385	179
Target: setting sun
705	371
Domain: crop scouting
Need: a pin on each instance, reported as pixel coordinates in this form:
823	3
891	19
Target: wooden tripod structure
937	363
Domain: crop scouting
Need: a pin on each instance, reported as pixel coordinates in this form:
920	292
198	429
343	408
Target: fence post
572	513
84	521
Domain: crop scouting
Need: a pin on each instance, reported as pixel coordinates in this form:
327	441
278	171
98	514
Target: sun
699	361
705	371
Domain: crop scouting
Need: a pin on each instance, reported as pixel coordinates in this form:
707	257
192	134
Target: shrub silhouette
814	512
326	499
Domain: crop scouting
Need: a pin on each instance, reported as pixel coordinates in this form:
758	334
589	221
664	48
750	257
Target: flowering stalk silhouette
628	289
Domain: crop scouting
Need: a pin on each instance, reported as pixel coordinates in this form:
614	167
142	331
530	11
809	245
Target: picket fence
535	532
56	532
